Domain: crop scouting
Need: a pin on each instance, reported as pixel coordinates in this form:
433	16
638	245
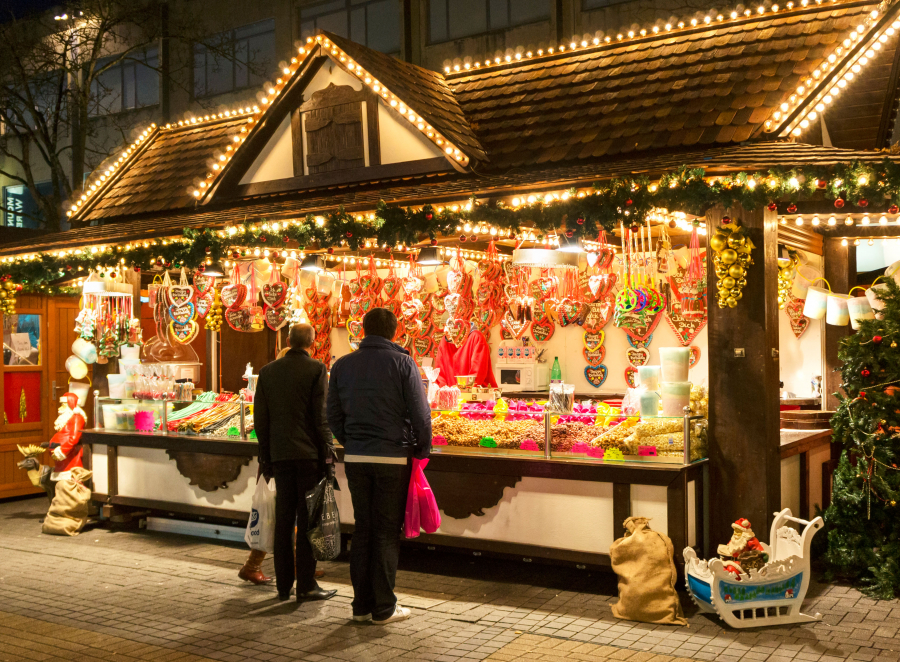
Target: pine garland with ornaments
863	520
624	201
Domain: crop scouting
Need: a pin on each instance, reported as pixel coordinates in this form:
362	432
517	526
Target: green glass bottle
556	372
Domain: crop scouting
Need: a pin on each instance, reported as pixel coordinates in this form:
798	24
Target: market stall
602	308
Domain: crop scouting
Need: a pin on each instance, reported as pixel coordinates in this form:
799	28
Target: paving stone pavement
138	595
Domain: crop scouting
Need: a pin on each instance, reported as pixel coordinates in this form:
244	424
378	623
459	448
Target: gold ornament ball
717	242
736	240
728	282
737	294
731	302
729	256
893	345
9	285
735	271
742	282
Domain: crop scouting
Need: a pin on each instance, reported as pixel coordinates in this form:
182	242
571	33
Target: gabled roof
755	77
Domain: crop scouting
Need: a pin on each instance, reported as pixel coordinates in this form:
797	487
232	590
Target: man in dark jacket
294	445
378	411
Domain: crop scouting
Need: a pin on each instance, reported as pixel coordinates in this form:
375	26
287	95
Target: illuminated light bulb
871	242
865	220
531	199
883	220
799	220
832	221
843	242
848	221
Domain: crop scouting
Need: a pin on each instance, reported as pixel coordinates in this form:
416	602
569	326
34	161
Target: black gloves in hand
266	470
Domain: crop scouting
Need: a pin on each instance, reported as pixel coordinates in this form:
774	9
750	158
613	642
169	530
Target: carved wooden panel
206	471
333	122
460	495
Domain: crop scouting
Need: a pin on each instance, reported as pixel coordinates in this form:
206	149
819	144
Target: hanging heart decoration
598	314
639	325
203	304
413	285
423	346
640	343
410	308
546	287
233	295
392	286
513	326
203	284
595	375
694	357
637	356
794	310
456	331
685	329
567	312
542	329
273	294
182	313
451	303
277	317
593	340
631	376
180	294
355	330
394	306
594	357
184	333
591	259
238	319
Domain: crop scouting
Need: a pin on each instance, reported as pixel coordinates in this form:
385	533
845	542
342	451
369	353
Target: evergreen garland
625	200
863	520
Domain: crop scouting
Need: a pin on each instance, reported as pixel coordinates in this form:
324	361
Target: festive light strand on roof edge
221	159
582	44
628	201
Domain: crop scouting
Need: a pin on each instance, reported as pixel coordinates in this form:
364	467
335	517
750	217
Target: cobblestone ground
137	595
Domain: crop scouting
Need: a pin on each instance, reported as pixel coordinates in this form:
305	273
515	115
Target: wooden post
744	463
840	272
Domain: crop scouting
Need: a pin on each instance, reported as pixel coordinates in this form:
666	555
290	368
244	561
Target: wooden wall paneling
744	419
621	507
800	237
61	314
840	272
238	349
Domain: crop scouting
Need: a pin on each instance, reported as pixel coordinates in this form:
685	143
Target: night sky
21	8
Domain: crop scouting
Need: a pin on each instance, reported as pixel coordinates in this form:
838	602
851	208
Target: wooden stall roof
443	189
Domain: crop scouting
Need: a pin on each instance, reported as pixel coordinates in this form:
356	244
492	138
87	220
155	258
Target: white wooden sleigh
771	595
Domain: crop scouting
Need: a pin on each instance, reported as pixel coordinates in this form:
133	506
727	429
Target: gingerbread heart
451	302
233	295
591	259
355	329
567	311
413	285
273	294
203	284
181	314
203	304
514	326
594	357
392	285
238	319
486	317
595	375
456	330
180	294
631	376
637	356
355	287
542	329
593	339
184	333
277	317
694	357
411	308
598	314
794	311
423	346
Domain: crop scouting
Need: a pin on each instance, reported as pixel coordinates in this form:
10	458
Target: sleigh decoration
771	595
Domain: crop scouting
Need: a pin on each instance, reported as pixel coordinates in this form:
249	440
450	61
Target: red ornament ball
862	394
201	268
462	237
235	254
862	203
434	242
569	234
821	183
207	250
791	208
159	263
285	239
865	372
429	216
893	209
349	234
629	202
726	220
168	264
673	224
876	340
772	206
262	238
331	250
137	270
839	203
580	221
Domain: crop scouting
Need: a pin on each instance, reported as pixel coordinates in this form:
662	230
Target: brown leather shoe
254	576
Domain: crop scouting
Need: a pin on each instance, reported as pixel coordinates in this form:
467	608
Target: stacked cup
675	389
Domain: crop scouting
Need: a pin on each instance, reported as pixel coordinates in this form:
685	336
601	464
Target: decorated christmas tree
863	520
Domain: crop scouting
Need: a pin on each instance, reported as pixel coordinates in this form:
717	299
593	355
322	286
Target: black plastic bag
324	532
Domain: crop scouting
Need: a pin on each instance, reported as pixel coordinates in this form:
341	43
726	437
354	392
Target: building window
373	23
20	210
453	19
131	83
235	59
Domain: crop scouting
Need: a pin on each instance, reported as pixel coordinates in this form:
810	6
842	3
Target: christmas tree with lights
863	520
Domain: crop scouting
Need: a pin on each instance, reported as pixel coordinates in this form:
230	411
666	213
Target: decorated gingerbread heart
514	326
456	330
238	319
567	311
631	376
594	357
598	314
637	356
182	313
273	294
542	329
392	285
233	295
794	311
423	346
180	294
203	284
203	303
277	317
595	375
184	333
355	330
694	356
593	339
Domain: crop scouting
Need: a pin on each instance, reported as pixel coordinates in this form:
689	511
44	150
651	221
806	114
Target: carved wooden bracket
206	471
460	495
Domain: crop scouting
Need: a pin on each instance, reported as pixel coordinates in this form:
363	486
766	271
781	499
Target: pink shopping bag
421	508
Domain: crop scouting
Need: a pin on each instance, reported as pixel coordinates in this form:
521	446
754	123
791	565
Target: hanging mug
76	367
837	313
859	309
816	303
805	275
84	350
876	303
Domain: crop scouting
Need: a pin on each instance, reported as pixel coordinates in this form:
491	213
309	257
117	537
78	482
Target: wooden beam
840	272
744	421
856	230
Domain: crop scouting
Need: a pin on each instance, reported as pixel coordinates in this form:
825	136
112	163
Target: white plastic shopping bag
260	532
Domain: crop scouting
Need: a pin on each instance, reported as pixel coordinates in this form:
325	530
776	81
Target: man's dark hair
302	336
380	322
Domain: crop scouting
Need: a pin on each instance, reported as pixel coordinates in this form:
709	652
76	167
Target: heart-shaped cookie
640	343
184	333
273	294
542	329
598	314
203	284
637	356
486	317
182	313
423	346
410	308
392	285
593	339
567	311
594	357
591	259
355	329
277	317
451	303
595	375
238	319
694	357
203	303
631	376
233	295
180	294
515	327
413	285
456	330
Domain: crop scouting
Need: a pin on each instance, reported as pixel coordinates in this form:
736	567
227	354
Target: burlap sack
645	564
69	510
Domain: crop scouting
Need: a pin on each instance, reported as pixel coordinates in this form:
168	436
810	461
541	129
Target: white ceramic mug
805	275
76	368
837	313
816	303
859	309
81	390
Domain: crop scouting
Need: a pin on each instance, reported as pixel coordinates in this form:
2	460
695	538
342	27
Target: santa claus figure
743	544
65	446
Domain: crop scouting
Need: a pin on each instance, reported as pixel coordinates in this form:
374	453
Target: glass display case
226	416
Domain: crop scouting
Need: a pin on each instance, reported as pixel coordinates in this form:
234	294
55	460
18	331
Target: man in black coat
294	446
378	410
